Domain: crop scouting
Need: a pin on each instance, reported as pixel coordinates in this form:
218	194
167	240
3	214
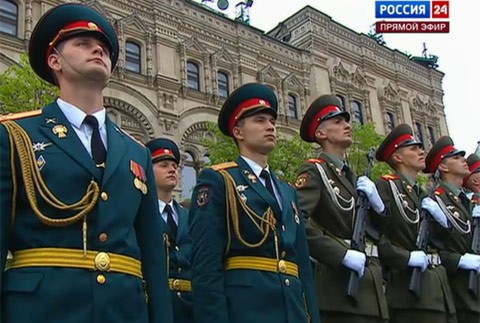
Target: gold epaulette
19	115
390	177
226	165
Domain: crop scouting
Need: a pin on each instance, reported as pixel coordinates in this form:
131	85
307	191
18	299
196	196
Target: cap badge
92	26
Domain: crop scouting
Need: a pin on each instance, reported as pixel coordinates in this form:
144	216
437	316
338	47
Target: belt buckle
282	266
102	261
176	284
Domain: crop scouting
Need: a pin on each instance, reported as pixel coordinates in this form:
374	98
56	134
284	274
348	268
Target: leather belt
76	258
371	250
181	285
262	263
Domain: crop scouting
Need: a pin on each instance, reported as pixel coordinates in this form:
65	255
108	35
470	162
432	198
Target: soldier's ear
320	134
396	158
237	133
443	167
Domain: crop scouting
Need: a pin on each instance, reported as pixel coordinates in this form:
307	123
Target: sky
456	53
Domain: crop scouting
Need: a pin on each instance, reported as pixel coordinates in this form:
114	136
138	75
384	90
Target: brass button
101	279
104	196
283	227
103	237
177	248
287	282
282	266
179	269
283	254
102	261
179	295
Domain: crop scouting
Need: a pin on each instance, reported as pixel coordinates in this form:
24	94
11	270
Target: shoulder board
390	177
316	161
439	191
226	165
20	115
130	136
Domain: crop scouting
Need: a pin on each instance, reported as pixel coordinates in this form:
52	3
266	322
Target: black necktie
268	183
170	221
98	149
348	173
465	201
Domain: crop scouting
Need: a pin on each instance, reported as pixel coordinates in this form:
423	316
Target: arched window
189	176
419	131
431	135
193	76
8	17
357	113
292	106
390	121
342	100
223	84
133	57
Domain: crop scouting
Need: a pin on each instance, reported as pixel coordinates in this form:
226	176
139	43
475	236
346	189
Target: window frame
133	57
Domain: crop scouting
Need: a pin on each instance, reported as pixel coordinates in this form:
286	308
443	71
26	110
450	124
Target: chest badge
60	130
40	146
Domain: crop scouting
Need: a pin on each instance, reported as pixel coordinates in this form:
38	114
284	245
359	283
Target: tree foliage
285	159
22	90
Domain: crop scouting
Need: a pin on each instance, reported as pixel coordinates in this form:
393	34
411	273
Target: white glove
365	185
469	261
434	209
355	260
476	211
419	259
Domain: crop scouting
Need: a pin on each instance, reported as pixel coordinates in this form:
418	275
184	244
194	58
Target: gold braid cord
20	142
233	200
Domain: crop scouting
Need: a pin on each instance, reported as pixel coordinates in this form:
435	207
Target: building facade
179	60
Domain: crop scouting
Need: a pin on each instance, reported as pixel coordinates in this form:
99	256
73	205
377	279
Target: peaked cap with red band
163	149
441	149
323	108
247	100
400	136
64	21
473	162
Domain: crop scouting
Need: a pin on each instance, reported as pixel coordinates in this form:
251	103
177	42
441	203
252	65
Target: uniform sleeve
390	255
306	274
149	228
322	247
6	187
209	240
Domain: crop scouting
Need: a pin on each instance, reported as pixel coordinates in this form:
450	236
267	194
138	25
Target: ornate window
431	135
193	76
342	100
419	132
357	113
8	17
390	121
133	57
292	106
223	84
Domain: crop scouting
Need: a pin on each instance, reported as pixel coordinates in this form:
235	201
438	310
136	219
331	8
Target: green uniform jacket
456	246
247	295
327	228
180	252
124	221
398	240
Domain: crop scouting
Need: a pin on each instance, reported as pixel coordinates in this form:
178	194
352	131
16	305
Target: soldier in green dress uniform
472	181
456	256
250	257
166	158
402	194
77	195
327	191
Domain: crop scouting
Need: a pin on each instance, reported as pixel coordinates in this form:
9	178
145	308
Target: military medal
409	189
40	146
241	188
140	178
60	130
252	178
243	198
40	162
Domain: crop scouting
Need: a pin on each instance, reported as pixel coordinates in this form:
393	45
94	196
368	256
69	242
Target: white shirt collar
256	168
162	204
76	116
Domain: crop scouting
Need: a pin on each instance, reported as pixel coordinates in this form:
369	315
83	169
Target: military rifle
473	275
359	230
422	239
